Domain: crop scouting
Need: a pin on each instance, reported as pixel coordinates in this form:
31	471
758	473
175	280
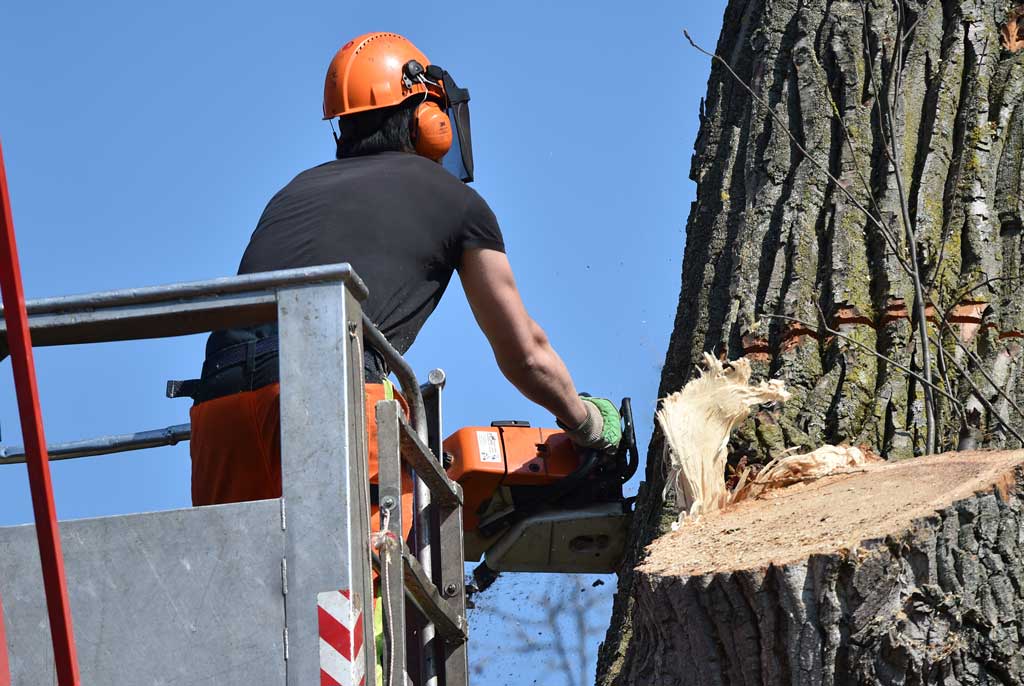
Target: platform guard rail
267	592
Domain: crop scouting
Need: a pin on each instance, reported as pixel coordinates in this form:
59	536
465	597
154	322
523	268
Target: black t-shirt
399	219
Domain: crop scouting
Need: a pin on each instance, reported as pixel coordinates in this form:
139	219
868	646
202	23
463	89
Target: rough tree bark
927	591
770	234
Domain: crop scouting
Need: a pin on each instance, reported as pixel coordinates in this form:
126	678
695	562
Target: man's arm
520	346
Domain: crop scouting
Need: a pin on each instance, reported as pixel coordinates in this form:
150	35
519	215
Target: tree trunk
897	586
772	239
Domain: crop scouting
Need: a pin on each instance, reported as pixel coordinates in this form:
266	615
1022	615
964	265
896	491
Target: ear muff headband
432	131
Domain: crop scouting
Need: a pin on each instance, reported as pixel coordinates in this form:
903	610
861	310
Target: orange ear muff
433	132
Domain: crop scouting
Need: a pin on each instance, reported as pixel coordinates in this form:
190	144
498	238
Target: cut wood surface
833	513
899	573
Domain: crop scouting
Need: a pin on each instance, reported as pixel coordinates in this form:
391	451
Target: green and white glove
601	430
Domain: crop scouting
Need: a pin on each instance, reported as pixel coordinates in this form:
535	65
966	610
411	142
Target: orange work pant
236	449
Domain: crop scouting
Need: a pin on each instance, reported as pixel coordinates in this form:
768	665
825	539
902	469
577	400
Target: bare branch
888	118
985	401
981	368
778	120
890	238
842	336
944	376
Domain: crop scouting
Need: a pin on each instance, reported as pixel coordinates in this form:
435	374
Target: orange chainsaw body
484	458
535	502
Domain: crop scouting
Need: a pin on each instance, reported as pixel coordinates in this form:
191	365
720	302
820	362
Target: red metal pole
20	345
5	667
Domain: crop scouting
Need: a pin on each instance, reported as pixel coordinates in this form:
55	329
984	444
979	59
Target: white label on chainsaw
490	449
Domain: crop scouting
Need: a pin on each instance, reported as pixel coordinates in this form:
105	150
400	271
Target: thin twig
778	120
981	368
840	335
985	401
920	305
978	286
874	86
890	238
887	119
944	375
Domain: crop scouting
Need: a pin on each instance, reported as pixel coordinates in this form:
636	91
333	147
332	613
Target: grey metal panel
323	467
358	500
325	549
183	597
456	664
156	320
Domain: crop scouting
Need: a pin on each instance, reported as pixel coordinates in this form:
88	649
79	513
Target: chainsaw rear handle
627	446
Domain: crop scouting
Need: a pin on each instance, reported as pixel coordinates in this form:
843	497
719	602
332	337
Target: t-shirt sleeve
479	226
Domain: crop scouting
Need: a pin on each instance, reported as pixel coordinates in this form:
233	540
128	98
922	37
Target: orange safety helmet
378	70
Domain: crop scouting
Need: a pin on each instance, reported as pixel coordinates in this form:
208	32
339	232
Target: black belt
227	360
375	365
238	354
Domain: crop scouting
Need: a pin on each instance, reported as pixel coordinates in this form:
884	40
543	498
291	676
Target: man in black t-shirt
393	205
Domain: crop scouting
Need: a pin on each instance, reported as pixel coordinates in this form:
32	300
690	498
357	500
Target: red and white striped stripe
341	639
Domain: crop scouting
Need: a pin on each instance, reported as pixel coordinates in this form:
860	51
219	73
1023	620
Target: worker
394	205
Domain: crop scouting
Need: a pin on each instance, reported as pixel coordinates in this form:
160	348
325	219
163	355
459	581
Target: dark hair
375	131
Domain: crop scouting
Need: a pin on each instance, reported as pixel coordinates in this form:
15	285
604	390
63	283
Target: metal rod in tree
20	345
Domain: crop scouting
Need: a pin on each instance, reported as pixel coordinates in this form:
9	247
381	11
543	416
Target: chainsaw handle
627	446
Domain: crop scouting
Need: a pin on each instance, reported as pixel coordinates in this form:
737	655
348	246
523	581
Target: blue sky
143	140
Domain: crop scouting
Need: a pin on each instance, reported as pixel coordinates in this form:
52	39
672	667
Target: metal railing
444	604
433	584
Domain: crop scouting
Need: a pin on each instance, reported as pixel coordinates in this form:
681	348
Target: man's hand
601	430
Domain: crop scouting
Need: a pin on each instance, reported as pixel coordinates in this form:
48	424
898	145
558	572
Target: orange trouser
236	449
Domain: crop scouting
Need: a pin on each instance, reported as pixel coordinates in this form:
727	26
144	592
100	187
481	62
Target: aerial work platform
274	592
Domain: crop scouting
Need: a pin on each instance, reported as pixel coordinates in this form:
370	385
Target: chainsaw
535	502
